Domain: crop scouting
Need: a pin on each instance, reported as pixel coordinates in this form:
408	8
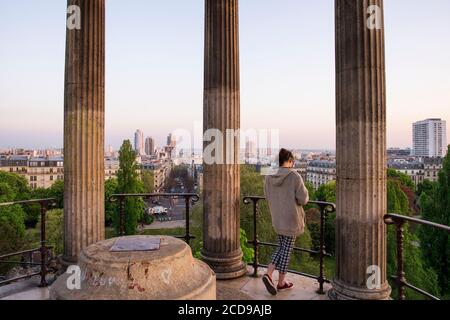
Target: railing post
255	238
187	236
43	249
399	224
322	251
122	216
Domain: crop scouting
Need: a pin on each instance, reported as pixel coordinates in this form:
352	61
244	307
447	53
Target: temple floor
245	288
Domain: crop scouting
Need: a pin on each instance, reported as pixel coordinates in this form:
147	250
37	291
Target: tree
309	186
56	191
12	225
426	187
129	183
111	187
148	179
404	179
18	184
435	206
326	193
417	273
54	225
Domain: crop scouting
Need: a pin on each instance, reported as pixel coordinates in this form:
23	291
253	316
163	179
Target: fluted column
221	246
84	108
361	151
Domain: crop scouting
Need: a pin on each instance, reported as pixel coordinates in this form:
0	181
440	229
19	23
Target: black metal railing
400	278
44	250
189	198
325	209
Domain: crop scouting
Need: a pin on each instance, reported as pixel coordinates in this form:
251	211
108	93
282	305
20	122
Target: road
176	208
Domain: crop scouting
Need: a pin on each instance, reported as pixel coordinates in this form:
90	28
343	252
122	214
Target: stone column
361	151
84	112
221	203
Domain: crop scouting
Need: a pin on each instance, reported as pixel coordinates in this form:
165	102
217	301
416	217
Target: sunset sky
154	64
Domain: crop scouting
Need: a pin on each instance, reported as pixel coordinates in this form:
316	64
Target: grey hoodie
286	194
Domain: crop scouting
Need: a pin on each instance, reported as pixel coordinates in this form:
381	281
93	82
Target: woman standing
286	193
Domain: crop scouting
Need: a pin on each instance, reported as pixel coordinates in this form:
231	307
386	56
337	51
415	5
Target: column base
226	266
341	291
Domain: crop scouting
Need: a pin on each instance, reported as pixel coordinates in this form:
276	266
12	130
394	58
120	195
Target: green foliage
18	184
435	206
12	218
248	253
54	225
129	183
327	192
404	179
56	191
427	187
148	219
416	271
148	179
397	199
111	187
309	186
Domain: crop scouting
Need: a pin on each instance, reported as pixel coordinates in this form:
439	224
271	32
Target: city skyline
142	75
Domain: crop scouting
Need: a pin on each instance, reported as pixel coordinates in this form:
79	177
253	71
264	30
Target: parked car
159	210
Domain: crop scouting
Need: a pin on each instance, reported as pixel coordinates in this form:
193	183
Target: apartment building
320	172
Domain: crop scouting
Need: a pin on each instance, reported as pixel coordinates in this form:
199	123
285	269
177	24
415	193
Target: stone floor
250	288
246	288
24	290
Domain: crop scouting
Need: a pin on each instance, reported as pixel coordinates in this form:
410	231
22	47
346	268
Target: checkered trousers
282	254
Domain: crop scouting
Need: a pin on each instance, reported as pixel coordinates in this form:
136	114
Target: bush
248	253
54	225
148	219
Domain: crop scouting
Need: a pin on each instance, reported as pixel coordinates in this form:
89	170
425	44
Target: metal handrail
400	278
325	209
189	198
43	249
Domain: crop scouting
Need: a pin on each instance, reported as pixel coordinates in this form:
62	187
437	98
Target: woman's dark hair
285	156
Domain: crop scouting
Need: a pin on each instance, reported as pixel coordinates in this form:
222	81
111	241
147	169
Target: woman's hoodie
286	193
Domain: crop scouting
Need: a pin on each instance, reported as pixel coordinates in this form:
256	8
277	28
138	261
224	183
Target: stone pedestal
170	273
84	127
361	151
221	245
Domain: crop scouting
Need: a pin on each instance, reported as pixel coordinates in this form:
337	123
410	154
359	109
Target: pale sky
154	69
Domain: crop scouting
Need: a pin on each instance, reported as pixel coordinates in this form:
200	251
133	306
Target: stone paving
250	288
246	288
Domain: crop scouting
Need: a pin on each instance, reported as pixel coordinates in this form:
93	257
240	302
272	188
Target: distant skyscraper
150	146
250	149
171	141
429	138
139	142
